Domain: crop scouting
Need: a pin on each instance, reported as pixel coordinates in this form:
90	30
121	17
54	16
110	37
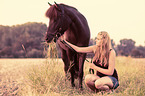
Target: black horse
69	22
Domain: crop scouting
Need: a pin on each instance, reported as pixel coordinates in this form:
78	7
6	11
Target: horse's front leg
82	58
66	61
71	69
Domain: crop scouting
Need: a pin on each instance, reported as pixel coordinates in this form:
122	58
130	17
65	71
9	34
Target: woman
106	77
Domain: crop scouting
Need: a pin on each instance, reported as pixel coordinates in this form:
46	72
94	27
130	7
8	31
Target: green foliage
34	53
27	40
22	40
127	48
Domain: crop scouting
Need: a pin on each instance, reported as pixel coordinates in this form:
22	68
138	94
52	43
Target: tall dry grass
45	77
12	74
48	78
132	75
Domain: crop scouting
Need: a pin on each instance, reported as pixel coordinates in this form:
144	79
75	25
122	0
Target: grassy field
45	77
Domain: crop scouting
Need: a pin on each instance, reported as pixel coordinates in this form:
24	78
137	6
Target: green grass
48	78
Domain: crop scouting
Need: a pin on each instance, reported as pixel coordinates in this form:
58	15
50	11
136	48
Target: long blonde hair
102	50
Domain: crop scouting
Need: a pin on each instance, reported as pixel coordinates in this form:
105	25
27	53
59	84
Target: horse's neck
78	29
70	35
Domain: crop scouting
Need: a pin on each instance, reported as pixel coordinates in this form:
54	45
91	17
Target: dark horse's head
59	21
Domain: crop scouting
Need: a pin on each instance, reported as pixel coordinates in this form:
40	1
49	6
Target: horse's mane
69	6
52	11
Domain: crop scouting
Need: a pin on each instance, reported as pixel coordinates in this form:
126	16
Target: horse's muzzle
47	39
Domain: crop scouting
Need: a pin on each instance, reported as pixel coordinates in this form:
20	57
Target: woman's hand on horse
92	65
61	38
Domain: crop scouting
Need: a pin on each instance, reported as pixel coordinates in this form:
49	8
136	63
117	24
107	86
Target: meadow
45	77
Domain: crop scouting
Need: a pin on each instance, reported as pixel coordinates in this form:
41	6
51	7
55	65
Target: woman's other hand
92	65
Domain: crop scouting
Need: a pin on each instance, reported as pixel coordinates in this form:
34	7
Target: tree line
22	41
27	41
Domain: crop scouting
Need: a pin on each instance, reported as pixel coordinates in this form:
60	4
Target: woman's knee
98	83
103	81
90	78
87	78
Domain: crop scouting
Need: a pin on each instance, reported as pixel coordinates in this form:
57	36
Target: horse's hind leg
72	67
81	65
72	73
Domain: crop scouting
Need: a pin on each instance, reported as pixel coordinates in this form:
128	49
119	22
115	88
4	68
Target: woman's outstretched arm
82	49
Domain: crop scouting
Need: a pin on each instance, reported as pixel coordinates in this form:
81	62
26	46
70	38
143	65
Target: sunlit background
120	18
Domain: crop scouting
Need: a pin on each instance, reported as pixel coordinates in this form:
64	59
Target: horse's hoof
81	89
73	85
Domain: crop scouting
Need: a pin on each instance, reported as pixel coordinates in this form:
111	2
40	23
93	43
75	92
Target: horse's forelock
51	12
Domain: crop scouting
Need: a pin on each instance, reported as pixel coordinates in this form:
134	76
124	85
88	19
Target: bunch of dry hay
52	50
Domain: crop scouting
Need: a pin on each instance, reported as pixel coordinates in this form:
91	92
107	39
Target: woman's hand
61	38
92	65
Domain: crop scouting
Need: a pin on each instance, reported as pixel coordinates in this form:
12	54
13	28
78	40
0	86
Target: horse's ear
49	4
60	8
57	6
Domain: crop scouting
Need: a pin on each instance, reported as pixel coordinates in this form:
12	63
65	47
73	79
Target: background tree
22	40
125	47
138	52
27	40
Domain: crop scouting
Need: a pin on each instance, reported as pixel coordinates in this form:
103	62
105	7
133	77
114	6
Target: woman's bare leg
104	83
90	81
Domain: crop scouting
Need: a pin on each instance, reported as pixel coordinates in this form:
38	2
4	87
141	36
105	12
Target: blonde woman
106	77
